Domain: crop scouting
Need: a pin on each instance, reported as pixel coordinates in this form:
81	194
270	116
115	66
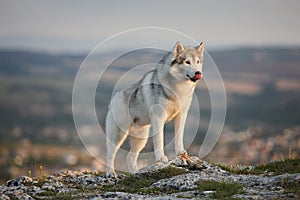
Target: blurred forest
37	127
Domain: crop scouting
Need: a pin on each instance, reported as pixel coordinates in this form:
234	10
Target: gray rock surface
87	185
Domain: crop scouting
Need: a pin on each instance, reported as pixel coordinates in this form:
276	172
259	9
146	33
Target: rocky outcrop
186	182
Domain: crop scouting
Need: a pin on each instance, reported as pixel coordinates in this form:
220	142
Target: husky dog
161	95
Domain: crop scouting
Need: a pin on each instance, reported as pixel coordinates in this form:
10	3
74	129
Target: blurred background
255	44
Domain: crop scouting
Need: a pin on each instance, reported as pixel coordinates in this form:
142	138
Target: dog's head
187	62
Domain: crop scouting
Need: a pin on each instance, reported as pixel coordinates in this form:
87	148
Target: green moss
291	186
141	183
39	183
224	167
223	190
290	166
277	167
184	197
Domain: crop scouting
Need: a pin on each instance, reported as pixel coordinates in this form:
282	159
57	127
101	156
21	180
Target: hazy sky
80	25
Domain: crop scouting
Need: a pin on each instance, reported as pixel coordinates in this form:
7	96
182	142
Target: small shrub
277	167
140	183
223	190
291	186
290	166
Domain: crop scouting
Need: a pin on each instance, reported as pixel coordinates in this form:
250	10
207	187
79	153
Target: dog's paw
111	174
164	159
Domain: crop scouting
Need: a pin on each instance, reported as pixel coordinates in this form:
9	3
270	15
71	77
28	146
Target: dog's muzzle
196	77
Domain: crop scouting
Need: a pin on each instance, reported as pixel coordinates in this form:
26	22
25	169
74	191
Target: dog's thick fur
161	95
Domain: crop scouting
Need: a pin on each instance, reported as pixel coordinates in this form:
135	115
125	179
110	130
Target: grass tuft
223	190
291	186
290	166
140	183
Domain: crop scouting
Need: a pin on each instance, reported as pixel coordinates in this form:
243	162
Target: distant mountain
31	63
273	62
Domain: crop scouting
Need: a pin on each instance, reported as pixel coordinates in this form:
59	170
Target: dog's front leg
158	119
179	123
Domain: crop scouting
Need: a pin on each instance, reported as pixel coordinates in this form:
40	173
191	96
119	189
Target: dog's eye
198	61
187	62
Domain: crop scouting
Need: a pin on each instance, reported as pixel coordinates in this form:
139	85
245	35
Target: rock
89	185
4	197
21	196
180	182
124	195
19	181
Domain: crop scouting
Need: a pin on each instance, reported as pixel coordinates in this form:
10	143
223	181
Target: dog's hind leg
138	142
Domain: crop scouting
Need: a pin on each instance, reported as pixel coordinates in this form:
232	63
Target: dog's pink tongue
198	76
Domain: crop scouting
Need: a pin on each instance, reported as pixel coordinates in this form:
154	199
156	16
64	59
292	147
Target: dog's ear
200	48
177	49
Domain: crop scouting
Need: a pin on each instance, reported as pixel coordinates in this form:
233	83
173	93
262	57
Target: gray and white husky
161	95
